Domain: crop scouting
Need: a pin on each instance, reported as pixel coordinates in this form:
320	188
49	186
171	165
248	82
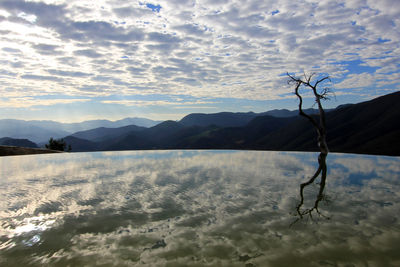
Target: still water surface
197	208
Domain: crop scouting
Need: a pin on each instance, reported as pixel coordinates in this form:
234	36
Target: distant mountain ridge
7	141
41	131
237	119
103	133
223	119
284	113
369	127
19	129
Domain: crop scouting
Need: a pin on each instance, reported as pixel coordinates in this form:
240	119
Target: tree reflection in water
320	127
322	169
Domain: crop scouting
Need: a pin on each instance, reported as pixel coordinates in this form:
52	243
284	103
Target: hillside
16	151
19	129
103	133
370	127
7	141
284	113
222	119
238	119
41	131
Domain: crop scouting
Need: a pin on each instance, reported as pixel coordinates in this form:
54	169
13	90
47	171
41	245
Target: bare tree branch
320	127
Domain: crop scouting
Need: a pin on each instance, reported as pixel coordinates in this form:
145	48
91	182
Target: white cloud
142	103
24	102
362	80
202	48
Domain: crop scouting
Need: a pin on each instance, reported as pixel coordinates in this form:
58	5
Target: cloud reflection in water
195	207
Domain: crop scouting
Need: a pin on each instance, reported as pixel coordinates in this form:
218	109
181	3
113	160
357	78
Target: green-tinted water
197	208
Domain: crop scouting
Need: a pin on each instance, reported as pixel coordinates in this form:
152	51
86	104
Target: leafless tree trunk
320	127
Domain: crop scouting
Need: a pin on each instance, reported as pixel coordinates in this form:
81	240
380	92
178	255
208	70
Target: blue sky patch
274	12
356	66
154	8
383	40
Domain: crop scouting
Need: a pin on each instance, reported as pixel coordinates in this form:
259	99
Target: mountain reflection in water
197	208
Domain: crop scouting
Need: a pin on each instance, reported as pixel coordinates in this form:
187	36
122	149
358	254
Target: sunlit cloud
24	102
219	49
363	80
156	103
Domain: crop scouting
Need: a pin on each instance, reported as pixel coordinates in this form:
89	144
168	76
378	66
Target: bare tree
320	126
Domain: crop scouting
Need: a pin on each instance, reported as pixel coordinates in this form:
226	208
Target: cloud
149	103
165	72
40	77
137	70
188	81
68	73
388	7
362	80
11	50
94	30
190	29
162	38
8	73
47	49
128	11
26	102
88	53
225	49
138	102
41	10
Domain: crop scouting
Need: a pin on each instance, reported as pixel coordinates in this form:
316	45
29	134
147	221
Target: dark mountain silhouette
222	119
284	113
80	145
102	133
370	127
157	137
239	119
130	141
41	131
162	131
7	141
236	137
92	124
166	135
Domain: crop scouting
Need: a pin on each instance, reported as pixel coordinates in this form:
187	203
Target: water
197	208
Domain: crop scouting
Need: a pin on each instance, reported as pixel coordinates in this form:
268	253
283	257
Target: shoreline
19	151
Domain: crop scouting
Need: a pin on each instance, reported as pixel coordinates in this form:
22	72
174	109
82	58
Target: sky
78	60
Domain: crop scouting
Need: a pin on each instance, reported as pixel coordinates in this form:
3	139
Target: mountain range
7	141
41	131
369	127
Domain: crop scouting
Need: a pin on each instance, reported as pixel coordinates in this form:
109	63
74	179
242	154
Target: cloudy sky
76	60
